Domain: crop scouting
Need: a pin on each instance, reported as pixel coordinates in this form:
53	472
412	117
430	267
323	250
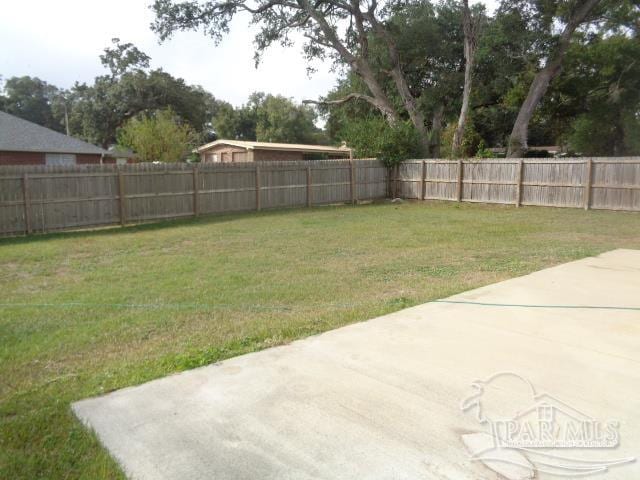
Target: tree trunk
408	100
518	139
416	116
382	102
436	129
470	41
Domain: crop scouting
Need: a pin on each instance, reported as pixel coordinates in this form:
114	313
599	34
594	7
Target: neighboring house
26	143
120	155
226	151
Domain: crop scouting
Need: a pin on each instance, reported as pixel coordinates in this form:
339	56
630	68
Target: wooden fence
599	183
38	199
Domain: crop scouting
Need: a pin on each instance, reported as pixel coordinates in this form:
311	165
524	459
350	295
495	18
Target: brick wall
87	159
38	158
21	158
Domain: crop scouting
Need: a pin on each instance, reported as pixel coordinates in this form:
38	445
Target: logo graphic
525	432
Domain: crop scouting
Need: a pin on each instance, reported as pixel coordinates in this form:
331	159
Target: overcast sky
60	41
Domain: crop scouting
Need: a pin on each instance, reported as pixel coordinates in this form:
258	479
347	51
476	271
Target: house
226	151
26	143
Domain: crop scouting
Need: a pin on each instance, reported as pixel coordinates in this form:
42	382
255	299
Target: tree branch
340	101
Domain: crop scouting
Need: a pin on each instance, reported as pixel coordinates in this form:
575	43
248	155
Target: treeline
443	78
419	78
132	105
95	112
591	104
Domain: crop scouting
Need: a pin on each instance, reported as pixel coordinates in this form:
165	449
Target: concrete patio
382	399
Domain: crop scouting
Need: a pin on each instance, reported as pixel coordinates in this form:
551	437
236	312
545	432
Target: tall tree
471	27
578	13
99	109
32	99
124	57
429	39
599	94
268	118
340	29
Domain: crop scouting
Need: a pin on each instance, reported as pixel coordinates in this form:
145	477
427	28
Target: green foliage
483	151
373	137
596	136
160	136
98	110
592	106
32	99
599	84
268	118
470	140
601	96
280	120
123	57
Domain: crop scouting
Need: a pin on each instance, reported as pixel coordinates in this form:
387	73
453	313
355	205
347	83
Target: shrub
470	140
373	137
160	136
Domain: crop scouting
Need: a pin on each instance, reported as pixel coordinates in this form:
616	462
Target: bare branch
340	101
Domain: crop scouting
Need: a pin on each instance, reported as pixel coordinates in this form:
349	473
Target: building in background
27	143
226	151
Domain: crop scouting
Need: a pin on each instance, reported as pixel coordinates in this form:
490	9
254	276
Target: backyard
85	313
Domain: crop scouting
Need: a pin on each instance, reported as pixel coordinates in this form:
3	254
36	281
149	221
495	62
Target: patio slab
395	398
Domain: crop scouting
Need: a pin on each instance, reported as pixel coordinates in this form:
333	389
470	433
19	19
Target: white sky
60	41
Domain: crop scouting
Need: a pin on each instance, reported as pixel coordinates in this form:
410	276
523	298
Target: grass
86	313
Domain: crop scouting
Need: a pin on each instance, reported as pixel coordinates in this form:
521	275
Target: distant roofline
292	147
20	135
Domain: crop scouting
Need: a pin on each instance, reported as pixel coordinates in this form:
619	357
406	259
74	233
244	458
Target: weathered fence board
43	199
602	183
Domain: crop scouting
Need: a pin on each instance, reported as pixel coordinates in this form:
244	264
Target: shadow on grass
207	219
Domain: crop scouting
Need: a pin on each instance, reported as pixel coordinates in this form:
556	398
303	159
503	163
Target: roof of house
18	135
291	147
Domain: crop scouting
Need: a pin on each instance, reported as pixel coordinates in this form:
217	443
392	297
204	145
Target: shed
226	151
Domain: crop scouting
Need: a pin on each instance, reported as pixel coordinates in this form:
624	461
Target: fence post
257	186
423	183
196	200
459	185
396	174
587	186
352	179
309	192
122	198
27	203
519	186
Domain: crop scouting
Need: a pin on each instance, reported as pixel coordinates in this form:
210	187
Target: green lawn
85	313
